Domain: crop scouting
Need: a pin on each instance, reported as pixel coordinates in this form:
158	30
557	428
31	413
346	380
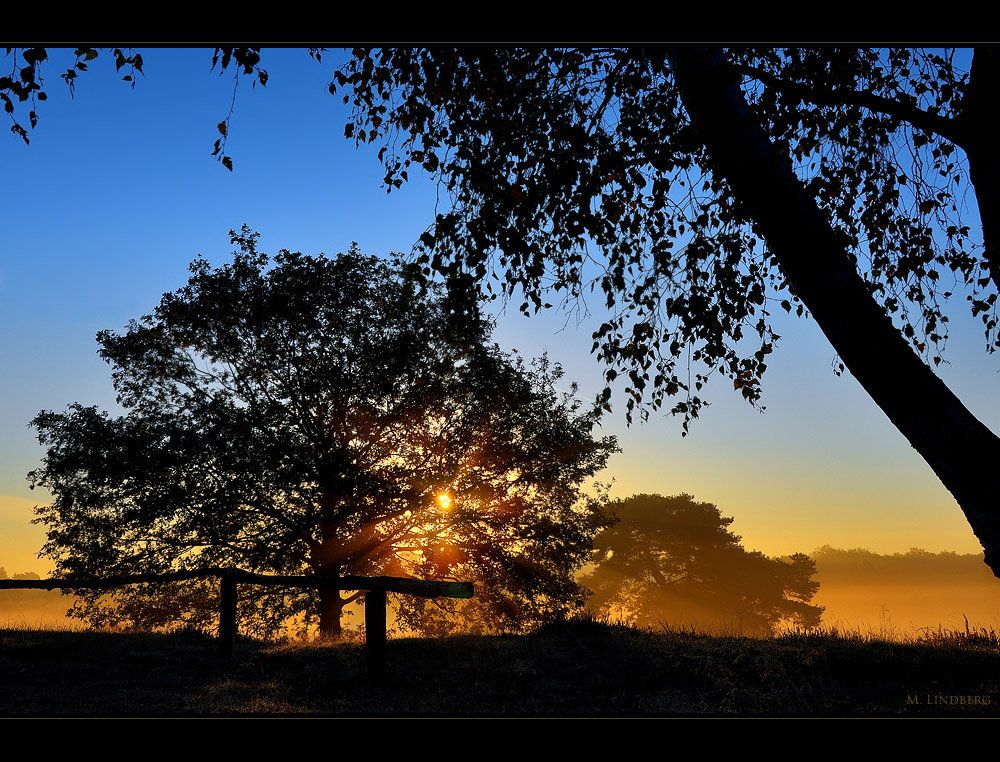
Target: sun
445	500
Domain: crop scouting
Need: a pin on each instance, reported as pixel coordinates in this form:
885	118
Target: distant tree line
22	575
915	567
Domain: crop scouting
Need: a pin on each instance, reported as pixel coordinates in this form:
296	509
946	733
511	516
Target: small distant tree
672	559
320	415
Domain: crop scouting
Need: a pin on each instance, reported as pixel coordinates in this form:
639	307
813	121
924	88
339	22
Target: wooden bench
375	597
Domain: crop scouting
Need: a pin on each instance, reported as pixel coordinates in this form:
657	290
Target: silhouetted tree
674	560
319	415
718	185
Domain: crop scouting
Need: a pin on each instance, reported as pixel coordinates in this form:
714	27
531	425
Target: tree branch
820	269
978	121
951	129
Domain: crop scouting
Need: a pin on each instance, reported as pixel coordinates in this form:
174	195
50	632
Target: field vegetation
579	667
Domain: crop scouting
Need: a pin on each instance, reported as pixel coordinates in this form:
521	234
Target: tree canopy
697	190
313	414
673	560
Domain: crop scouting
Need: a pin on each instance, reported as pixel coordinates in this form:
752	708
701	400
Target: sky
118	193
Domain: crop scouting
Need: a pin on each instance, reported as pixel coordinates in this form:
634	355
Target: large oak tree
319	415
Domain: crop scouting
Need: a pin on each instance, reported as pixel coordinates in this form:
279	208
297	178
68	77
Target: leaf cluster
872	133
24	83
247	62
575	172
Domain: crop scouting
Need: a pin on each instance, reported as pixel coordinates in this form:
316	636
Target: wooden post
375	605
227	614
375	600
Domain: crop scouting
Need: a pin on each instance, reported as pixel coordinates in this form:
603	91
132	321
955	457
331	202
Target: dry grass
575	668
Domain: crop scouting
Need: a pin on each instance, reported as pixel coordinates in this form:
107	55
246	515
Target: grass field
577	668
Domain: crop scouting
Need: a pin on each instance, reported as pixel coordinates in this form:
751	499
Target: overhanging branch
948	128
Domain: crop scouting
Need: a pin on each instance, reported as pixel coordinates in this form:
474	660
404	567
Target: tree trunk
817	264
977	137
331	606
327	562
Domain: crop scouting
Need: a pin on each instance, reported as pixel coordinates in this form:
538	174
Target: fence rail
375	596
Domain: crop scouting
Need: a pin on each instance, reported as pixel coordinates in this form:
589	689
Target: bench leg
227	616
375	604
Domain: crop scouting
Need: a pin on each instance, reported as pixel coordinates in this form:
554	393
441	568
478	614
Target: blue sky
117	193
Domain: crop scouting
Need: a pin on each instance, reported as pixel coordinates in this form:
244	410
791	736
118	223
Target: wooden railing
375	597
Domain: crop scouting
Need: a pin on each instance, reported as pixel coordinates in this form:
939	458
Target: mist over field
905	592
895	595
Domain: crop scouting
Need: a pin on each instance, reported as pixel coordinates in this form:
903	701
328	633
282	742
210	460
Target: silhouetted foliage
24	84
672	560
699	189
320	415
